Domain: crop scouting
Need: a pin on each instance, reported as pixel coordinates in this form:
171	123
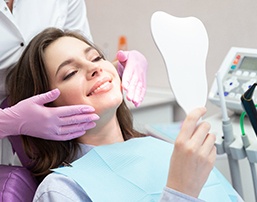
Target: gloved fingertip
136	104
55	93
120	51
87	109
47	97
121	56
94	117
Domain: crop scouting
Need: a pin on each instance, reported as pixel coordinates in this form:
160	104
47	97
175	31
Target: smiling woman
82	75
67	61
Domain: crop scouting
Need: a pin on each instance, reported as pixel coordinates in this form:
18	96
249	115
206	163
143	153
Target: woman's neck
104	133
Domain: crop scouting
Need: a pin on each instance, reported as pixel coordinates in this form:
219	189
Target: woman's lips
100	86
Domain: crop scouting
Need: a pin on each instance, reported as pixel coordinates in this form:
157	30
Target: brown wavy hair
29	78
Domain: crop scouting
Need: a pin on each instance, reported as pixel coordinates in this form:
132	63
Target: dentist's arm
32	118
132	65
192	160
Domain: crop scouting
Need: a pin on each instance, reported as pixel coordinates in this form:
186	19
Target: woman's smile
101	86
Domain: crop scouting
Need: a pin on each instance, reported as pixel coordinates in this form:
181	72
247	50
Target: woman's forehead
65	47
69	41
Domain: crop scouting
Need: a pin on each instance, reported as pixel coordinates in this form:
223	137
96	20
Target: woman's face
82	76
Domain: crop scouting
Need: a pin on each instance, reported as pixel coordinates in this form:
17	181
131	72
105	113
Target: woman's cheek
65	97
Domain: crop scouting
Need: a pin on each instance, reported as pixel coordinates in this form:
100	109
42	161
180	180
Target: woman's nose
93	71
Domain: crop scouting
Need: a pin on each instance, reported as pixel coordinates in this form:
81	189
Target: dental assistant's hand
32	118
132	65
193	157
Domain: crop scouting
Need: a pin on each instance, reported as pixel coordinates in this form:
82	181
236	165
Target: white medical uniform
28	18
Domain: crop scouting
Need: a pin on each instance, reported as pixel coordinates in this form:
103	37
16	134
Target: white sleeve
170	195
77	18
52	197
56	187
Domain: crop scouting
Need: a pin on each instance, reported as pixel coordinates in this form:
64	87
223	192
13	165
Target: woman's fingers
190	123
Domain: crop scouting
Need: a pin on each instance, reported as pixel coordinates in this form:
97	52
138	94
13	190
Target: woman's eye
97	58
70	75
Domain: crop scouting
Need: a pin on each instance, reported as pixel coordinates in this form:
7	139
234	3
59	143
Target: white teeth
100	87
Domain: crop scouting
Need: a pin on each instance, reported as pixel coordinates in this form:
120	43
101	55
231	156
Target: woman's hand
31	117
132	65
193	157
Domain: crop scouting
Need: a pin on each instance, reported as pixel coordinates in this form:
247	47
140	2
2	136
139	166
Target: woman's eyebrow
69	61
64	63
87	50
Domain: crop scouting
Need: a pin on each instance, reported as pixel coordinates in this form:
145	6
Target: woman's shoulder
58	187
54	180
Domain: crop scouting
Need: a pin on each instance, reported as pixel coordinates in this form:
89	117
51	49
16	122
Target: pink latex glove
132	65
32	118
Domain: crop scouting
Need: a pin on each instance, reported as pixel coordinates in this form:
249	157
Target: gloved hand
132	65
32	118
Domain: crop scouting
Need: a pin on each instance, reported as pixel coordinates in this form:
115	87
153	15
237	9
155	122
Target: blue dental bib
136	170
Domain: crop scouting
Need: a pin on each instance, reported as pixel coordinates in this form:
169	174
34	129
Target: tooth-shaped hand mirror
183	43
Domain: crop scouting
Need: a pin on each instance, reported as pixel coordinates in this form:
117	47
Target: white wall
228	23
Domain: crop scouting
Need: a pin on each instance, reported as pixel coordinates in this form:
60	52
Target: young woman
16	33
67	61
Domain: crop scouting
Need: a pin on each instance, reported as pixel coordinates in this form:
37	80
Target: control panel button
238	72
233	67
245	73
231	95
248	84
230	84
253	74
235	62
238	97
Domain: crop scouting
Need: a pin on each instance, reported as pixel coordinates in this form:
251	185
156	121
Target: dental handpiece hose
250	110
228	139
249	106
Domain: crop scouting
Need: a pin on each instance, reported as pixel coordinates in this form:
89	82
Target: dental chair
16	182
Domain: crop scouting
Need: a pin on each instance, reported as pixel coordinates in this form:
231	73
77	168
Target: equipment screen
249	63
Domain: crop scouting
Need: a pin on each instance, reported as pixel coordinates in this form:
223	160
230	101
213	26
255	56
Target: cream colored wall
228	23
